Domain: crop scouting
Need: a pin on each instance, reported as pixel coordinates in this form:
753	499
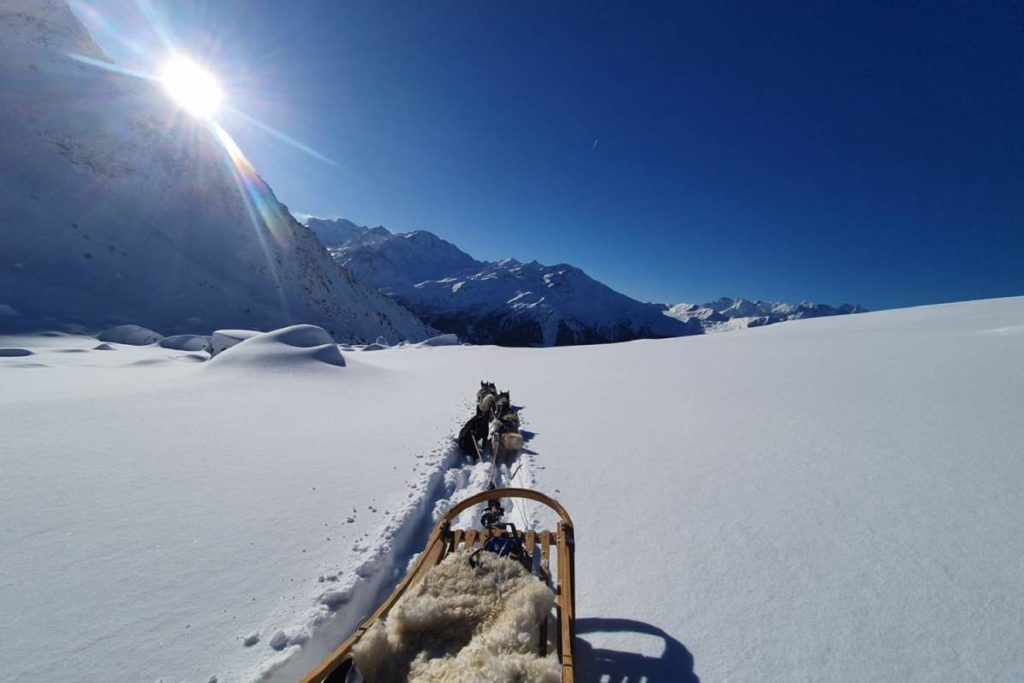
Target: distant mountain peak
727	313
502	302
528	303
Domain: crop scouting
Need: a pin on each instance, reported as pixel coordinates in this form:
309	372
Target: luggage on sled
547	555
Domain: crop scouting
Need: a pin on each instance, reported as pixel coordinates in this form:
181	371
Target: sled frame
444	539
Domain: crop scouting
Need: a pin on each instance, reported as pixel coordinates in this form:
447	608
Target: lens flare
191	86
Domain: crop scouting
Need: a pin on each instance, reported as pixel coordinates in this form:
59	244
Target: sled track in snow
386	559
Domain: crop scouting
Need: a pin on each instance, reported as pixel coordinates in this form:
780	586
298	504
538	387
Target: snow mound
225	339
133	335
441	340
479	624
288	347
186	342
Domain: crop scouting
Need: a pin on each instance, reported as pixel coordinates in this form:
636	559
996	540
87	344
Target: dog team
496	423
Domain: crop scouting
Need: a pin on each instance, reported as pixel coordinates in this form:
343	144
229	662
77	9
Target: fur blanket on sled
463	625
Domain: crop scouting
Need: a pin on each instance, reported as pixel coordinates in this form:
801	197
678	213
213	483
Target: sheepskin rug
463	625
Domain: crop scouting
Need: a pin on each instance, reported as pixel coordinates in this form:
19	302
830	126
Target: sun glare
191	86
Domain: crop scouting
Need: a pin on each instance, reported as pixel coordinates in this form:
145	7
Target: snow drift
133	335
290	348
186	342
463	625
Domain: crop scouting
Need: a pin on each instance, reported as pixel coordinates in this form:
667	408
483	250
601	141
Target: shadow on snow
674	665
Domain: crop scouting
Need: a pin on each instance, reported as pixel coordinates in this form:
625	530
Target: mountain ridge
527	303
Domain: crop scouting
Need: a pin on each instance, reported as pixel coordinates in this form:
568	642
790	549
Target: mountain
525	304
505	302
334	231
117	207
729	314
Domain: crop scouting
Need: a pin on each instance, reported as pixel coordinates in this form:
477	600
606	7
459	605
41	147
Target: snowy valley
831	499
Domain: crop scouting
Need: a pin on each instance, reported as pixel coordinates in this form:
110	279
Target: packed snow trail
385	562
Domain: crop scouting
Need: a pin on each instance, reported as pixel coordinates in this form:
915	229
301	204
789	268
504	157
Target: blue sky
870	153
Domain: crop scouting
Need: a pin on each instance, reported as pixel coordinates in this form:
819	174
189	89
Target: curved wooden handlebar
529	494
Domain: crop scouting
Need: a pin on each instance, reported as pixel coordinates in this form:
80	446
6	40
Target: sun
191	86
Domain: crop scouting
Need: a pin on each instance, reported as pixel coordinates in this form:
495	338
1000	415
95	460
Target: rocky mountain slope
528	304
115	206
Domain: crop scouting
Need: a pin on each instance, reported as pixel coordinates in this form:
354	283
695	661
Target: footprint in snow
278	641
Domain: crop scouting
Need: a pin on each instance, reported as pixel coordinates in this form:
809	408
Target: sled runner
548	554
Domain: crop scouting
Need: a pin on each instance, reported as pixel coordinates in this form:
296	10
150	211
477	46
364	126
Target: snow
830	499
225	339
186	342
130	334
441	340
290	348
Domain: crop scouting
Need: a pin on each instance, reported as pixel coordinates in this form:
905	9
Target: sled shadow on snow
674	665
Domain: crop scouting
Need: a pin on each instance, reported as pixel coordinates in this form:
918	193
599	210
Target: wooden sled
443	540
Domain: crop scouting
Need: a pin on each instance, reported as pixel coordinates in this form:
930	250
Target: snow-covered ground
833	499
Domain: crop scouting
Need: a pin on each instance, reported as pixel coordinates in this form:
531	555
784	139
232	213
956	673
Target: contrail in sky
593	146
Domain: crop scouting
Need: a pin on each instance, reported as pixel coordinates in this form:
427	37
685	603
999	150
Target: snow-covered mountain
729	314
505	302
333	231
117	207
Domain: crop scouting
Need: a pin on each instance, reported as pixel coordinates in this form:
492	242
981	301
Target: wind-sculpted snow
505	302
441	340
116	207
225	339
290	348
186	342
130	334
